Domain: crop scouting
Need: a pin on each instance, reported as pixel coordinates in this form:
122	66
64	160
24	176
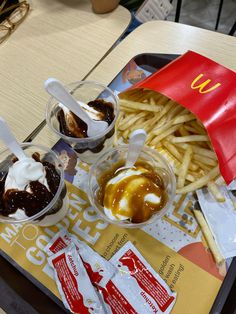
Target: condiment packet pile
90	284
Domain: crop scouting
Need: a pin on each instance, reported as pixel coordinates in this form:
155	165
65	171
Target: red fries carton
207	89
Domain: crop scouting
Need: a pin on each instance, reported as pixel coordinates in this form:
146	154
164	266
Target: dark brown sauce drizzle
33	202
73	126
134	188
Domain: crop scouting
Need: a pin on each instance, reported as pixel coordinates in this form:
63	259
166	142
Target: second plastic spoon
136	143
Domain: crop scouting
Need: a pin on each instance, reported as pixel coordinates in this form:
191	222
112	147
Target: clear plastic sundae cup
149	156
56	209
88	149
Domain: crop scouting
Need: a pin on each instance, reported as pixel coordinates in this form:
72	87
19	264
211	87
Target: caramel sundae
133	194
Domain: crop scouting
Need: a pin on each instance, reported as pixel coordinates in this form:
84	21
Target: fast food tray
141	65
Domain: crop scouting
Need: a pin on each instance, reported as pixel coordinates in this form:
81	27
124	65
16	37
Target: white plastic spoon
136	143
58	91
10	141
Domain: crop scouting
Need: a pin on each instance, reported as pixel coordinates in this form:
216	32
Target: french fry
201	151
166	110
130	120
209	237
200	182
190	138
163	100
177	111
189	177
140	106
215	191
184	118
145	97
220	181
184	167
164	134
162	128
190	129
128	110
174	151
182	131
205	160
203	166
197	126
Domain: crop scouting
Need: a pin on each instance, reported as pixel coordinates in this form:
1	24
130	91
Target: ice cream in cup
32	189
132	197
100	104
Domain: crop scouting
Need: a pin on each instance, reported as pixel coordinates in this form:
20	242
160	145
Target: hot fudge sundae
29	189
100	103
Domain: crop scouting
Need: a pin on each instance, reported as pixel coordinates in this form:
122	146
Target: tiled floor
203	13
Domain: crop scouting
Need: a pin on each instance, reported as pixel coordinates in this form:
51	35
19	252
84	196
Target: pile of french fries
174	131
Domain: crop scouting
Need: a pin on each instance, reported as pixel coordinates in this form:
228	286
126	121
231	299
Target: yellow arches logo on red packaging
202	85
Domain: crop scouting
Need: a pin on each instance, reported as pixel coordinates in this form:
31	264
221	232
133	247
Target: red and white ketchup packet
137	287
99	270
120	299
78	294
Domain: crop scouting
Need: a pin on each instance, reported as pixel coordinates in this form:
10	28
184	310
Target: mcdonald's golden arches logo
202	85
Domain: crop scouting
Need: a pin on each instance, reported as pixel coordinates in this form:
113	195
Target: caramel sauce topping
127	196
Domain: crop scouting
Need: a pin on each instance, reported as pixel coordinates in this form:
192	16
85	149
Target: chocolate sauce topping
34	201
75	127
53	178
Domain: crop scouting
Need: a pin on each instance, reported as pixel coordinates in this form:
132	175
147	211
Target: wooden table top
62	39
171	38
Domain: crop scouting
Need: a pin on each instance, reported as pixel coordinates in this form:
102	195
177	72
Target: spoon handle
58	91
136	143
10	141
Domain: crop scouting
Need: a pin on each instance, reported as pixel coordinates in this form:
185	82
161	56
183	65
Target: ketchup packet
207	89
118	298
100	271
139	282
77	292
